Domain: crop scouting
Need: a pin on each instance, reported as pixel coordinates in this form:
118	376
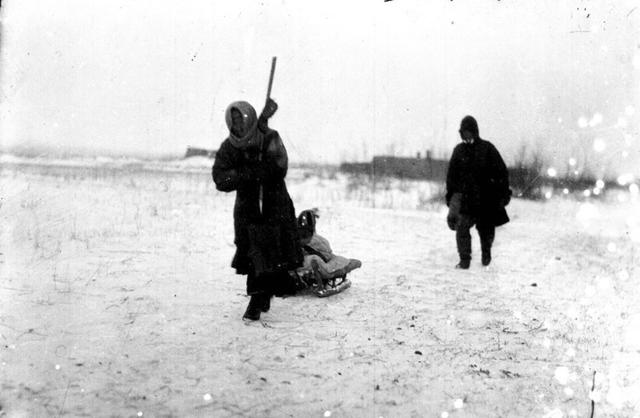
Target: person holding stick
253	162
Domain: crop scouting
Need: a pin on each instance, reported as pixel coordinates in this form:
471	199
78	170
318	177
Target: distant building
199	152
413	168
402	167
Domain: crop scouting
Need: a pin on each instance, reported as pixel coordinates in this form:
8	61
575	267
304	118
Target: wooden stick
273	70
593	387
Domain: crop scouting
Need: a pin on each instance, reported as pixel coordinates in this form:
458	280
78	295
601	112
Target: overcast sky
354	78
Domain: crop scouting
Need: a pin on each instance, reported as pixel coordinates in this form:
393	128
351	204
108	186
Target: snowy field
117	299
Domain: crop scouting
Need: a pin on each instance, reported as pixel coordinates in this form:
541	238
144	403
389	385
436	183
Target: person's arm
452	175
500	176
455	203
269	110
275	161
227	176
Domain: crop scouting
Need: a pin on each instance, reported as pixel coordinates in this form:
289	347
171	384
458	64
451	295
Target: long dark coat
478	172
240	170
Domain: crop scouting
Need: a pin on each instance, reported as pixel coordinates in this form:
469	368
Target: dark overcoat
240	170
479	174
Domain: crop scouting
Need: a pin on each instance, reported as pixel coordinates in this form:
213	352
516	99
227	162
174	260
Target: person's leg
264	287
256	291
267	291
253	286
463	240
487	234
282	284
266	302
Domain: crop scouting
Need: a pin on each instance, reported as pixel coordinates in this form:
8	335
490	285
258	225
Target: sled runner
312	279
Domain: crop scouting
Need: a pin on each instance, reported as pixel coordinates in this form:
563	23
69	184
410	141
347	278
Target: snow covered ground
117	299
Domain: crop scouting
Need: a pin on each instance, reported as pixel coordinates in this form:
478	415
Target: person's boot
486	258
266	303
463	264
254	308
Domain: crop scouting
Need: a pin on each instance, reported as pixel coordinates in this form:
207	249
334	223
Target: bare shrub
525	176
433	199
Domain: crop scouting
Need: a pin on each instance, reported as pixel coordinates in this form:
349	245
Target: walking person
253	162
477	192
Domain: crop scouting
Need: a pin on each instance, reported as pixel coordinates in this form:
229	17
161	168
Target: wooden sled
322	286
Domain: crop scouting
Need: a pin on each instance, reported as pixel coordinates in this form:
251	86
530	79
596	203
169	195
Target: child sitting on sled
324	272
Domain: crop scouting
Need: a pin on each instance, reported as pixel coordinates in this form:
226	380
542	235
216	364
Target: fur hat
307	222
